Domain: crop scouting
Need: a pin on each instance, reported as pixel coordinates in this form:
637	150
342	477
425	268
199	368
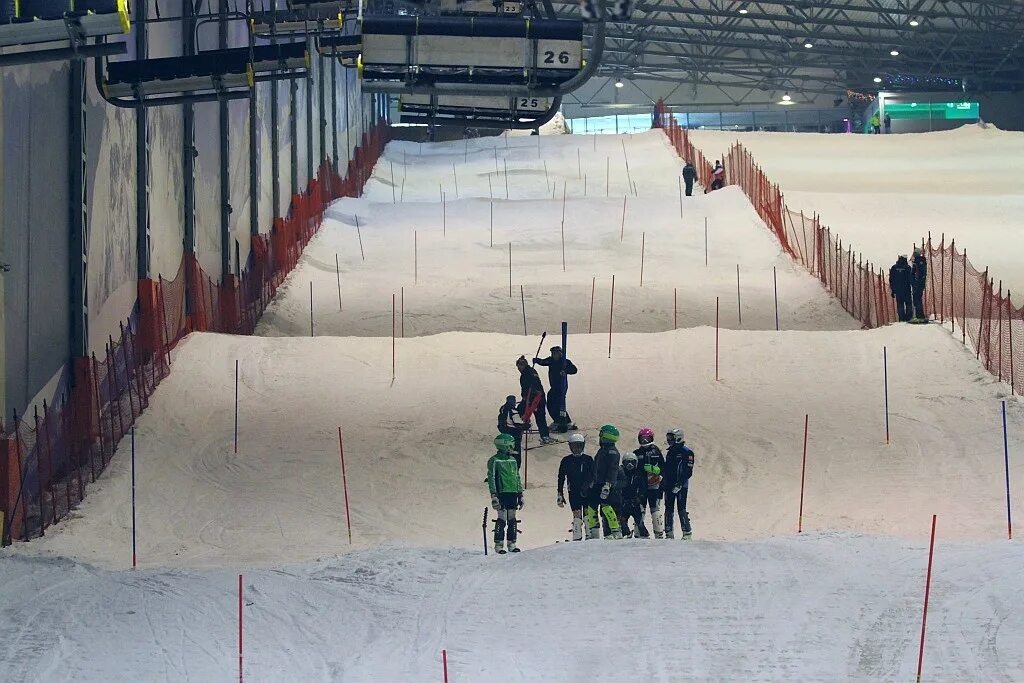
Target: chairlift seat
318	18
43	21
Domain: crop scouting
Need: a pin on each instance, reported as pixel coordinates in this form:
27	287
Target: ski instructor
559	368
533	398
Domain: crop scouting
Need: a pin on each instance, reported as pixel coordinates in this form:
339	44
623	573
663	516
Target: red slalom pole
344	484
803	472
240	670
927	592
444	663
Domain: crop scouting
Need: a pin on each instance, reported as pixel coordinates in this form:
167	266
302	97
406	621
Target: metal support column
293	131
225	153
188	150
309	125
334	111
348	125
141	154
322	108
254	168
78	247
275	150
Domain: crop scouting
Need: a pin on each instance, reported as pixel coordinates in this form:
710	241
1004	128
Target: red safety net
956	292
48	460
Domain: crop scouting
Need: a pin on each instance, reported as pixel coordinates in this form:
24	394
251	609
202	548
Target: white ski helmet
674	436
576	442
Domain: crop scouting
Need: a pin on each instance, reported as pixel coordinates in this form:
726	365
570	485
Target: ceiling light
786	102
915	22
743	10
618	84
894	53
876	79
786	97
808	45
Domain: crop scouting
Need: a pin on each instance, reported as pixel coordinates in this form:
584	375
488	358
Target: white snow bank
883	193
815	608
416	448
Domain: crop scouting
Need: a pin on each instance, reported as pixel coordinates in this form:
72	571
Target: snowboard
919	321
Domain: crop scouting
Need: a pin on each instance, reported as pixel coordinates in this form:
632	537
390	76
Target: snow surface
883	193
455	269
748	600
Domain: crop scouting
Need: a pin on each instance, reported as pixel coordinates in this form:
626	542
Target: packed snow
749	599
883	193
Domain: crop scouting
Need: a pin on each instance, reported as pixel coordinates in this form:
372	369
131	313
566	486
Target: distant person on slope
918	277
506	493
633	483
559	368
900	277
603	496
689	176
876	124
533	398
652	463
717	177
888	124
577	469
509	423
678	470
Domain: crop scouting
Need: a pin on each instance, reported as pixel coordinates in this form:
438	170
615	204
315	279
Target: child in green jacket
506	492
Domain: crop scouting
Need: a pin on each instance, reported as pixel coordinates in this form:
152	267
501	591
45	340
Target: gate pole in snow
505	162
310	308
522	298
444	214
337	268
236	405
509	270
444	663
415	257
563	245
927	591
705	241
392	182
402	312
392	336
492	221
133	547
675	308
716	338
622	225
775	286
611	314
239	628
1006	460
607	176
643	248
739	306
803	471
680	198
885	377
359	234
344	484
593	284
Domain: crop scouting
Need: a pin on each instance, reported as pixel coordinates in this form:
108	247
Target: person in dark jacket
689	176
603	496
717	177
633	494
900	277
533	397
888	124
918	277
509	423
576	469
559	368
678	470
652	463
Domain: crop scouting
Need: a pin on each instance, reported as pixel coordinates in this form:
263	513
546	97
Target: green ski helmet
609	433
504	443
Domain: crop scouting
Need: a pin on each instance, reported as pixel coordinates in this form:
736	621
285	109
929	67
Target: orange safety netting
48	460
955	291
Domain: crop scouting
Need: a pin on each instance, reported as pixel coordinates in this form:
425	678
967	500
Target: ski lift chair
31	22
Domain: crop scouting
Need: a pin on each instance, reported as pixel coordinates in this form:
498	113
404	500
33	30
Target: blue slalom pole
133	500
1006	459
236	405
565	378
885	370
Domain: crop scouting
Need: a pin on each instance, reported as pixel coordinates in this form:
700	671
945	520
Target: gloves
652	469
536	360
561	500
605	490
521	503
677	489
495	503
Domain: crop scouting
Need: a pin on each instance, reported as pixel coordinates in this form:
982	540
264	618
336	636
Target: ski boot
512	547
499	547
687	535
577	529
545	440
616	535
659	534
669	533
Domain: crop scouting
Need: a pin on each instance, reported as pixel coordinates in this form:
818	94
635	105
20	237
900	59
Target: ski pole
542	337
483	527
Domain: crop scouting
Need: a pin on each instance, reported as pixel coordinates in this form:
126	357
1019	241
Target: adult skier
918	277
633	493
900	278
509	423
678	470
603	496
576	469
533	397
559	368
506	493
652	463
689	176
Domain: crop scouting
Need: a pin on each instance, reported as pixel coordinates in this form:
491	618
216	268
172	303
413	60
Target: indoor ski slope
447	262
883	193
748	600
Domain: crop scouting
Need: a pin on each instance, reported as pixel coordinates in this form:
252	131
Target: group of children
605	491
